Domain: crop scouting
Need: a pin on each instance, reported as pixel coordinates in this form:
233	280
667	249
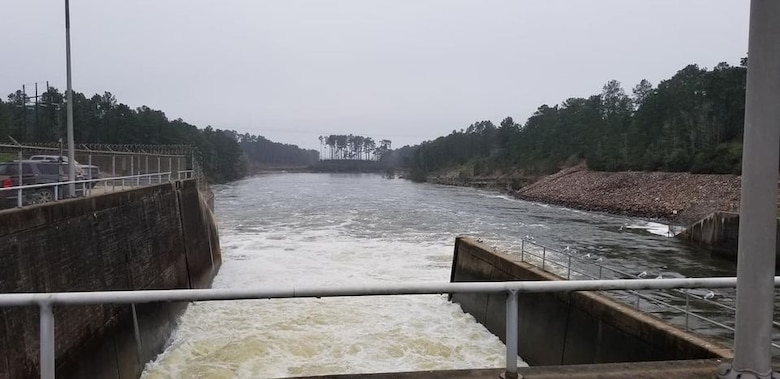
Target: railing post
601	268
544	256
47	341
568	274
55	193
522	250
637	300
137	334
687	310
511	335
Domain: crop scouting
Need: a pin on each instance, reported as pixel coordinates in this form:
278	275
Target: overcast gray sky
403	70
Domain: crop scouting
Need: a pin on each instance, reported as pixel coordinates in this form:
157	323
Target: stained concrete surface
687	369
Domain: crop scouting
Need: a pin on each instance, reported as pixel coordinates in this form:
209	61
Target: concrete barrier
570	328
158	237
719	233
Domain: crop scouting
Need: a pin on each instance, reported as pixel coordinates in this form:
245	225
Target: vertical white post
47	341
19	194
511	335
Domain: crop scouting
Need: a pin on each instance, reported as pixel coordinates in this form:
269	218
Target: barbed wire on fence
130	158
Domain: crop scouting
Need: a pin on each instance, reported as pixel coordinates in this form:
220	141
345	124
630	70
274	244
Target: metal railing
564	264
34	195
46	301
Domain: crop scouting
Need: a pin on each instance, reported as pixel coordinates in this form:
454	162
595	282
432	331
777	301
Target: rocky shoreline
677	197
672	196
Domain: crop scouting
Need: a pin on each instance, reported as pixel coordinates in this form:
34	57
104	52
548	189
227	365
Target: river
328	229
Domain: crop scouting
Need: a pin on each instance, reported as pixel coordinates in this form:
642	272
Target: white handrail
46	300
148	296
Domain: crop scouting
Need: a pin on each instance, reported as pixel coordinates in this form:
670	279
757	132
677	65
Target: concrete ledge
569	328
693	369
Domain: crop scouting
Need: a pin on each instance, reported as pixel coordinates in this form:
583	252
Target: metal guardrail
46	301
546	261
122	182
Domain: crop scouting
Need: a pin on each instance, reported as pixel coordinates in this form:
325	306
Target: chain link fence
100	168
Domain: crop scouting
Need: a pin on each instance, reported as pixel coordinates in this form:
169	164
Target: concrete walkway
691	369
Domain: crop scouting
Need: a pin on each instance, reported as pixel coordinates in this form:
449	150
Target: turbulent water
328	230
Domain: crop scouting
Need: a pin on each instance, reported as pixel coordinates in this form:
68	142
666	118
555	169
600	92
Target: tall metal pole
758	208
69	95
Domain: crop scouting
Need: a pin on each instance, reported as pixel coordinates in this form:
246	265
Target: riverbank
674	196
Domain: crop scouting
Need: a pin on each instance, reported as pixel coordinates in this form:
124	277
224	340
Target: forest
339	146
225	154
690	122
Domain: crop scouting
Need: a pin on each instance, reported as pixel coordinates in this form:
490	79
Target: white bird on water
566	249
587	255
709	295
659	276
642	274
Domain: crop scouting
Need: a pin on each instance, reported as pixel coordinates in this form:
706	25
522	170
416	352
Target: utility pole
69	96
757	215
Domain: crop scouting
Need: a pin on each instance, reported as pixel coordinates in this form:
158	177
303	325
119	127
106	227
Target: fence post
132	169
148	178
19	193
113	173
91	183
511	335
46	341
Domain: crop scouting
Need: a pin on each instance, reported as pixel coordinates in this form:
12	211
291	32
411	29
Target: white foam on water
296	337
653	228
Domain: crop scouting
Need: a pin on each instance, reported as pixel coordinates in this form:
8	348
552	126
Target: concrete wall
568	328
158	237
719	233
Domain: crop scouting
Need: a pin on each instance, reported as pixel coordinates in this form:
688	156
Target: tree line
692	122
339	146
225	154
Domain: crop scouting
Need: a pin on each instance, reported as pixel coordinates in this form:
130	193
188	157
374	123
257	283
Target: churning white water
295	337
328	230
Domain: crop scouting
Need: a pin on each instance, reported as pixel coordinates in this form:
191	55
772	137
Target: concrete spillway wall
568	328
719	233
159	237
